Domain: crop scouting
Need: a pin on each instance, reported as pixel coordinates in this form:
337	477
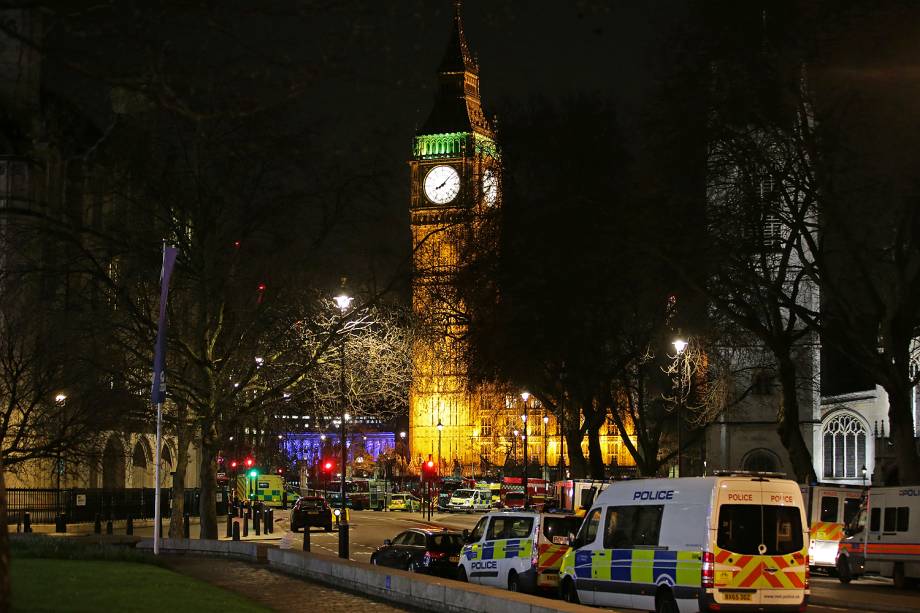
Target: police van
889	543
469	501
723	543
519	550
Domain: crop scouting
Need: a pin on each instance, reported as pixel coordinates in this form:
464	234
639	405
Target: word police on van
725	543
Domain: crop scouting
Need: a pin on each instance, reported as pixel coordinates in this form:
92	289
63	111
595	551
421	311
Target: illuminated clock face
442	184
489	187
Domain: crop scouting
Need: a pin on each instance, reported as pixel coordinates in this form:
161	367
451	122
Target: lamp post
526	397
516	433
473	454
864	474
343	302
680	345
545	447
61	399
440	427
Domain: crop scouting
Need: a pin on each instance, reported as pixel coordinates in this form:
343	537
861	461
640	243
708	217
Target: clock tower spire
454	183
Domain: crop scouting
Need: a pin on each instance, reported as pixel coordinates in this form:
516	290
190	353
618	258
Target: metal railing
82	505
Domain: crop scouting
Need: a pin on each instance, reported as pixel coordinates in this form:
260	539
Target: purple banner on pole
158	391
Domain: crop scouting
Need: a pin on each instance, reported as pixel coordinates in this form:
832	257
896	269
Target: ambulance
890	544
469	501
518	550
829	508
732	542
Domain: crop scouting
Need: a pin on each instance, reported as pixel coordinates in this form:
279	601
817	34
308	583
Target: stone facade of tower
454	184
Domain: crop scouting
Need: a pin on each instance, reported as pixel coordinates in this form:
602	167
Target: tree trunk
790	432
902	435
5	588
178	485
577	463
207	508
595	453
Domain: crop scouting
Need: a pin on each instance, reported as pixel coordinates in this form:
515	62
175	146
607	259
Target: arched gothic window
844	447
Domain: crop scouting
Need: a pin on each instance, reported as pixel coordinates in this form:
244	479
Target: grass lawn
43	585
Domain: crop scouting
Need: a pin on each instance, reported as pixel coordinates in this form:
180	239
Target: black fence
82	505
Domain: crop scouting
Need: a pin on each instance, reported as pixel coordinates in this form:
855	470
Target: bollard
245	526
248	511
97	524
257	520
343	540
267	524
19	523
109	527
27	522
306	538
236	531
60	524
186	529
129	525
229	524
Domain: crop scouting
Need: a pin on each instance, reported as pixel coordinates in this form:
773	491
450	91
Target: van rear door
760	545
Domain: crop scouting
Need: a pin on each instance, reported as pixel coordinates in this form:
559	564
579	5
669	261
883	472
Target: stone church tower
454	184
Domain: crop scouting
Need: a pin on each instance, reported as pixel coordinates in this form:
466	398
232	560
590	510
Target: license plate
454	559
738	596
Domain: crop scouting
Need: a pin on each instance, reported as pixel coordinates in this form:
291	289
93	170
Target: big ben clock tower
454	183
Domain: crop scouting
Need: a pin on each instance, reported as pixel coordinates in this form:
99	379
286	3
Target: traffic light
250	462
233	464
429	469
280	471
328	466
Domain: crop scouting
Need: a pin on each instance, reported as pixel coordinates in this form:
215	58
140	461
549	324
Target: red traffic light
232	463
280	471
430	465
249	462
328	465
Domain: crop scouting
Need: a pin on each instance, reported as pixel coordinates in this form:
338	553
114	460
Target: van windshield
463	494
557	529
753	529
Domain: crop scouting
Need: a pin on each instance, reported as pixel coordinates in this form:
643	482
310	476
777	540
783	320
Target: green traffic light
253	473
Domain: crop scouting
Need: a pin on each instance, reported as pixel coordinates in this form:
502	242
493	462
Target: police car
724	543
520	550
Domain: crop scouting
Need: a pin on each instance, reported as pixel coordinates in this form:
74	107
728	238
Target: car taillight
708	574
434	555
807	571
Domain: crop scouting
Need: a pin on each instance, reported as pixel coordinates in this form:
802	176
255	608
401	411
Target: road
370	528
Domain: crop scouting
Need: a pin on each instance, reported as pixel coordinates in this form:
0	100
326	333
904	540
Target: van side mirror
387	542
466	535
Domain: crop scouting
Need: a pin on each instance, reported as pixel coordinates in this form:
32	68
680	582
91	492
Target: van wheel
665	603
461	575
569	593
900	581
843	570
514	584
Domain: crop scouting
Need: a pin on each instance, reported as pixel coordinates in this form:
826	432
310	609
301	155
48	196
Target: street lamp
61	399
473	454
526	397
440	427
680	345
343	302
514	439
864	474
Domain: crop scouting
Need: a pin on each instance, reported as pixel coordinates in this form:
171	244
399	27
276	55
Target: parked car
404	502
311	511
422	551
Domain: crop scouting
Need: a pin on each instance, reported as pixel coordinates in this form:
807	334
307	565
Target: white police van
723	543
889	543
520	550
469	501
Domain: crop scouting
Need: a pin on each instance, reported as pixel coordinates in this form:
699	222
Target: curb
849	604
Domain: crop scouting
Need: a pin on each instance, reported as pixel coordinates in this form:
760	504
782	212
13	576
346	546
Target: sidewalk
274	590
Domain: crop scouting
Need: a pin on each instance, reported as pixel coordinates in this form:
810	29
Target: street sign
81	500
